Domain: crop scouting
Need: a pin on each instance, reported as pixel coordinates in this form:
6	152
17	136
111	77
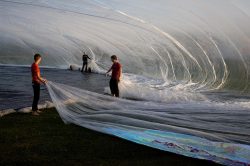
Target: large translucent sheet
175	40
202	130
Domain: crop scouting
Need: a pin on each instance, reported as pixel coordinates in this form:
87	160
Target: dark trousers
113	84
36	90
83	65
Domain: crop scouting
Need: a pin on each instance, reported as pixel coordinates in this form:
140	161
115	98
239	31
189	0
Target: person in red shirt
116	69
36	81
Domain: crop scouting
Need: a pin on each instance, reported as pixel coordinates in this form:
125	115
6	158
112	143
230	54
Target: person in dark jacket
85	58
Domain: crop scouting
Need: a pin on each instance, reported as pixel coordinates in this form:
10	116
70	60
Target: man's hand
107	74
44	81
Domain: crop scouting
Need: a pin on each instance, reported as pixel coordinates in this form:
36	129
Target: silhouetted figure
85	58
116	69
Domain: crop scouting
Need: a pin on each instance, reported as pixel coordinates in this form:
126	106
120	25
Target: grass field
46	140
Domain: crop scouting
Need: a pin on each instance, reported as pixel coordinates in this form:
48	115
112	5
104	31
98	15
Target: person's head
114	58
37	58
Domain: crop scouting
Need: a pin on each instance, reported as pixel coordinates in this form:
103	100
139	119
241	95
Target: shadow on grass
46	140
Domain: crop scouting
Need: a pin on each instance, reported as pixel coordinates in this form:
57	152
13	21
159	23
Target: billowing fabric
203	130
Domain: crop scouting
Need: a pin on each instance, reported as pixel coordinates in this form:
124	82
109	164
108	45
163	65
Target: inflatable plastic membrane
185	128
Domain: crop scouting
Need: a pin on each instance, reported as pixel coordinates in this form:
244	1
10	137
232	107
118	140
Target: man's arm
120	73
41	79
88	57
109	70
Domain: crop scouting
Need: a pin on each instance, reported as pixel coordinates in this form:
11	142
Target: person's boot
35	113
38	111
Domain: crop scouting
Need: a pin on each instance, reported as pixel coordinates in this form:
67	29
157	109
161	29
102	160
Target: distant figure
116	69
85	58
36	81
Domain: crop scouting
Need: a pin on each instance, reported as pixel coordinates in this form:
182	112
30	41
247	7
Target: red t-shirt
116	70
35	73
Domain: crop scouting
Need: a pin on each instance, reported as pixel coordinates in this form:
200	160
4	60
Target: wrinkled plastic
199	130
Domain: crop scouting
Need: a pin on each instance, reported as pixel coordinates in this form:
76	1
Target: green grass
46	140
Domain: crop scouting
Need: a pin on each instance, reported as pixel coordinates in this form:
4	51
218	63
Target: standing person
116	69
85	58
36	81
